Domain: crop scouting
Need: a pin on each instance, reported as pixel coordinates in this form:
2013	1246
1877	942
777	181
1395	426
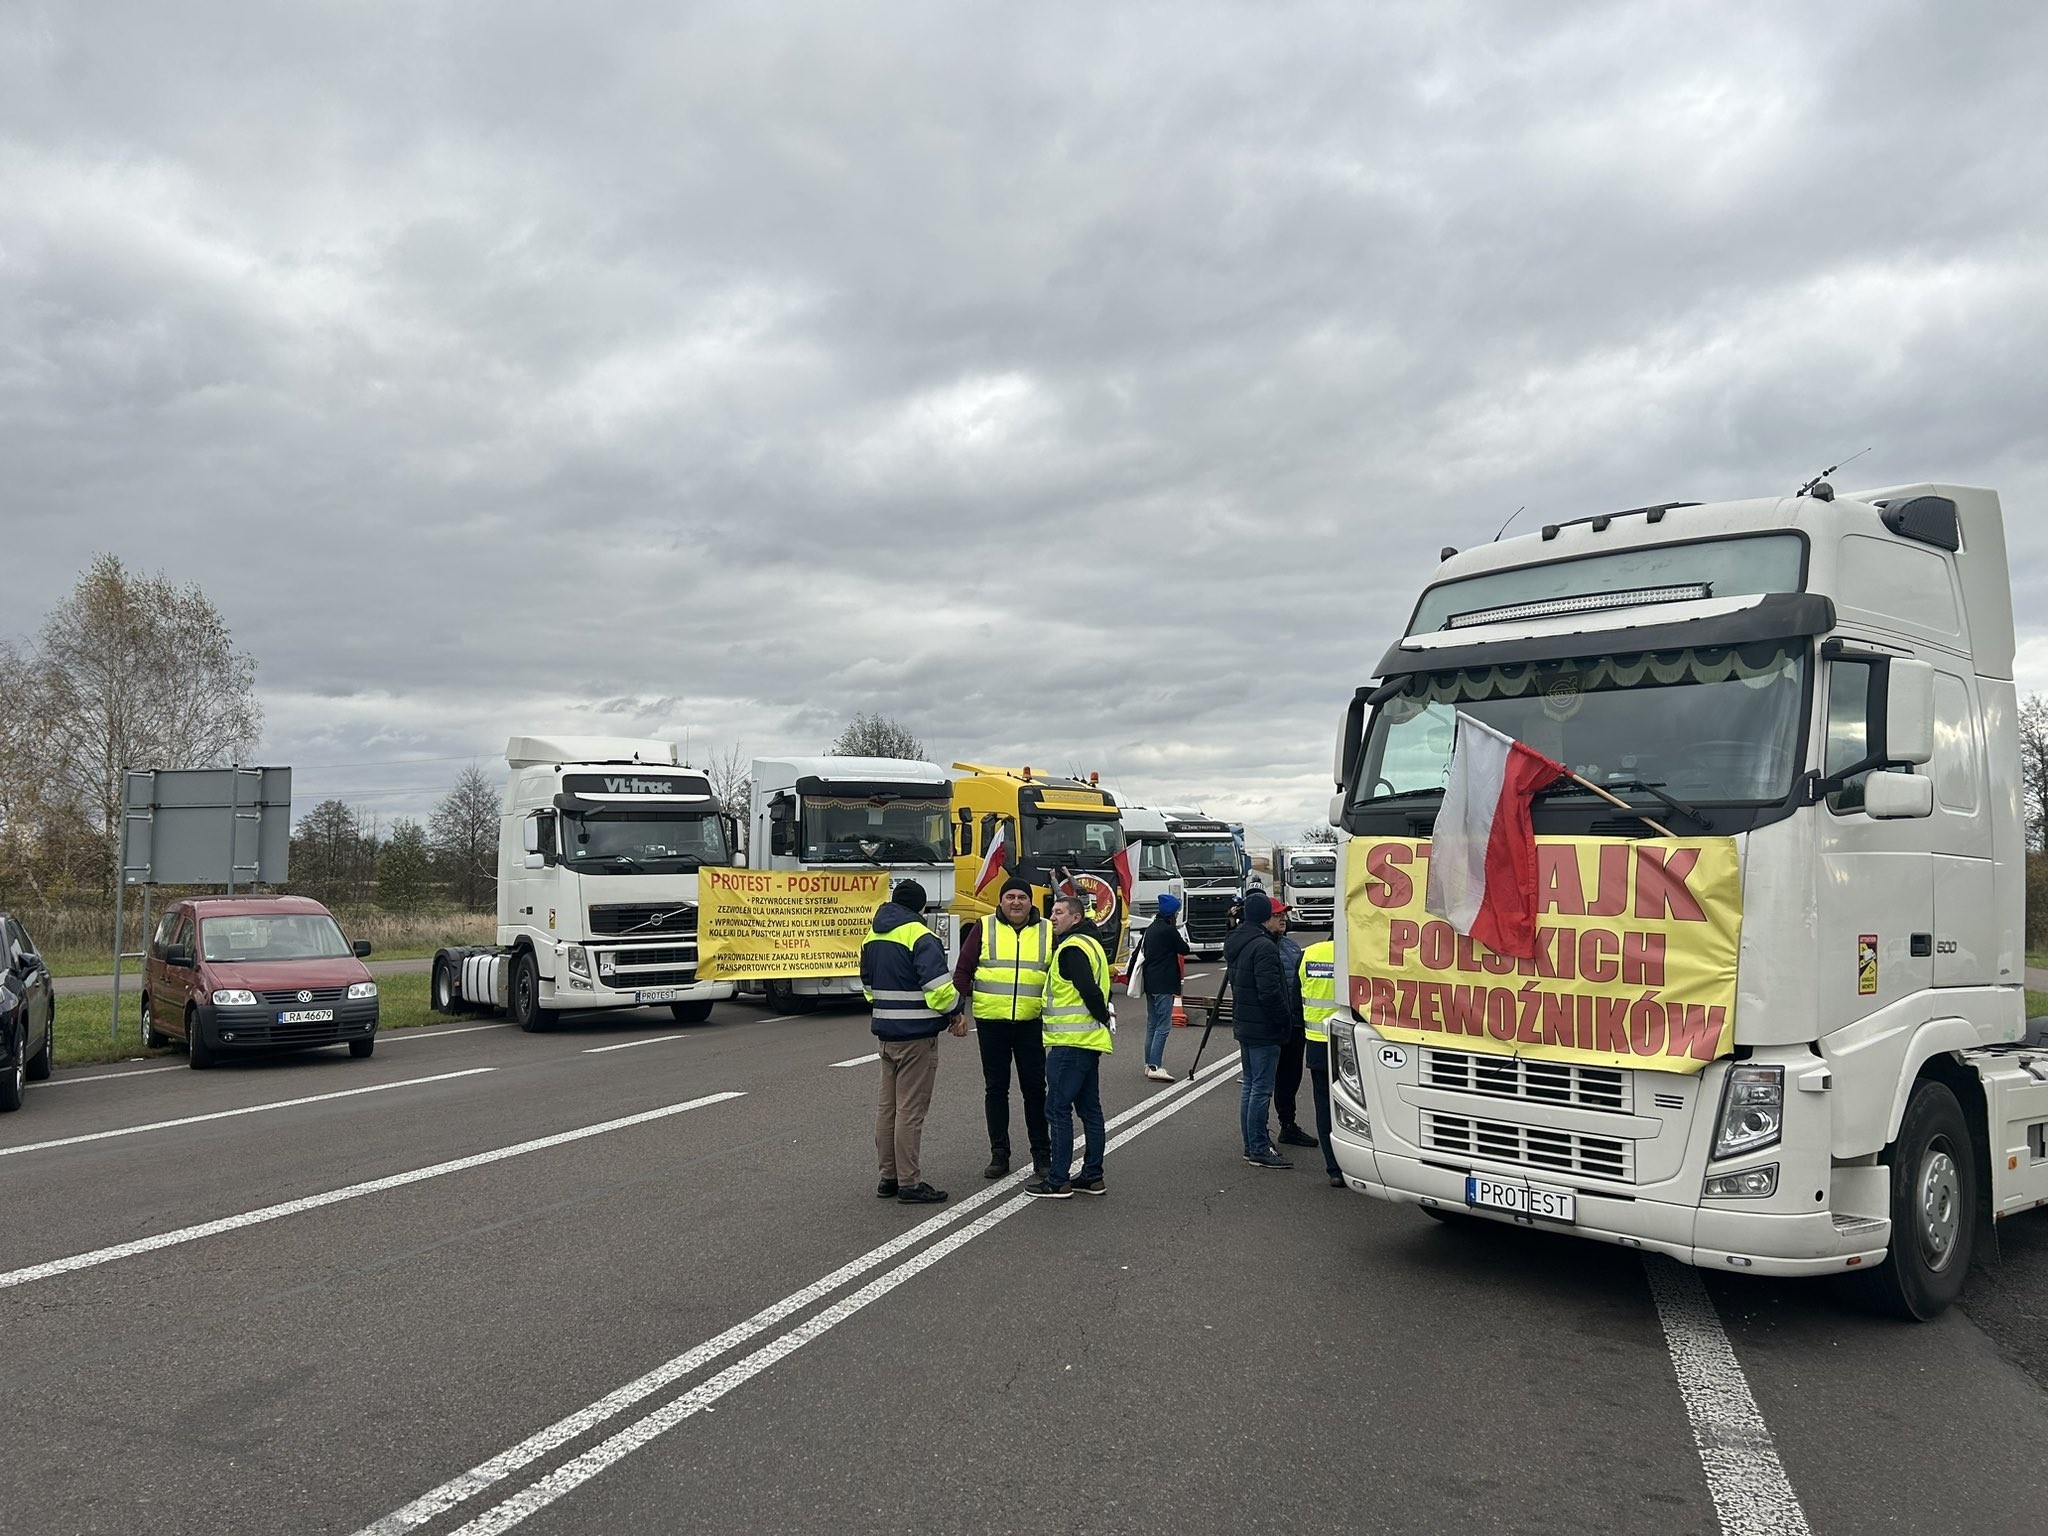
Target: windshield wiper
1704	821
624	858
1403	794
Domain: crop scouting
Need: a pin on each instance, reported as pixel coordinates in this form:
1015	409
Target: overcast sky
1081	385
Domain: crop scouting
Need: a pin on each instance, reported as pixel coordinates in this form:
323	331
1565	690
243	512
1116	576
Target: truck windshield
287	936
1206	859
1077	839
879	830
1155	860
1318	874
640	842
1716	725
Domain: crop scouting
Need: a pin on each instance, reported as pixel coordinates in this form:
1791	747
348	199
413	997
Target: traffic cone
1180	1014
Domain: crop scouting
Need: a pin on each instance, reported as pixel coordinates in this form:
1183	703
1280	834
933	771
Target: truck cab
851	813
1305	877
1156	872
1210	856
1054	828
1813	695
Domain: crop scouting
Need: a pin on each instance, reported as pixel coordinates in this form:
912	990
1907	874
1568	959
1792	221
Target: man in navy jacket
1261	1000
904	973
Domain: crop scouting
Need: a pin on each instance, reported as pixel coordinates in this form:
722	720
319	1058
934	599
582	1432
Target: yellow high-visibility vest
1009	976
1319	989
1066	1020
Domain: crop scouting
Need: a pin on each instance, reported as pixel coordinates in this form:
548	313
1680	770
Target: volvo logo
305	997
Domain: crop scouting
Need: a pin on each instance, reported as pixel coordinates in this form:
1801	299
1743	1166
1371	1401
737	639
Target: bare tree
869	735
464	835
732	780
2034	768
1318	832
136	672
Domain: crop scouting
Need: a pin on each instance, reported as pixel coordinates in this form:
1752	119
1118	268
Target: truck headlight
579	962
1752	1109
234	997
358	990
1345	1044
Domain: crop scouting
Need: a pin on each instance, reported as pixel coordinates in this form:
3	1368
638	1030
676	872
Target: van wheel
361	1048
783	997
690	1013
523	996
151	1040
1933	1207
16	1075
195	1043
39	1069
444	988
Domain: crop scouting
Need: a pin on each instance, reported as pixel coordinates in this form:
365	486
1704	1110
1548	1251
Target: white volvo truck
1154	868
598	852
1825	1067
1305	877
1210	859
851	813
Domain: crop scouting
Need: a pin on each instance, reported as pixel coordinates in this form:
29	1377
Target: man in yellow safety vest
1003	963
1076	1024
1318	1007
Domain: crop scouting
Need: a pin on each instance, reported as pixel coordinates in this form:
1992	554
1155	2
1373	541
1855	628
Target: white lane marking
108	1077
572	1474
335	1196
394	1036
1751	1493
468	1484
627	1045
859	1061
247	1109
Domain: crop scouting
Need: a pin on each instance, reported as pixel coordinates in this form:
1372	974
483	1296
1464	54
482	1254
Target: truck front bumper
577	992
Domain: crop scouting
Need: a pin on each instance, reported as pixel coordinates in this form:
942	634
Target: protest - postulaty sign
765	925
1636	946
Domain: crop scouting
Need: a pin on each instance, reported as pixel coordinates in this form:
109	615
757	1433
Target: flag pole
1583	783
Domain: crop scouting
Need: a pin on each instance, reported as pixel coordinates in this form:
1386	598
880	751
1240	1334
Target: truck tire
522	997
1933	1207
690	1013
39	1069
197	1051
783	997
442	994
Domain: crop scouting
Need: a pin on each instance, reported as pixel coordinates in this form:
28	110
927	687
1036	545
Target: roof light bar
1590	602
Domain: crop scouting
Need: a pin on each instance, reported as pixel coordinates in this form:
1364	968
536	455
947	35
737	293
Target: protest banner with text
766	925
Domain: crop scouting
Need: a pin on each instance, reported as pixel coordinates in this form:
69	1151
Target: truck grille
646	965
639	918
1531	1146
1209	919
1515	1077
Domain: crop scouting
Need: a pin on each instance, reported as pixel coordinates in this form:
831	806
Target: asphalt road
302	1318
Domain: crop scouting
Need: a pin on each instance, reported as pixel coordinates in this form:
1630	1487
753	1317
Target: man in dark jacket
903	971
1160	954
1260	999
1294	1049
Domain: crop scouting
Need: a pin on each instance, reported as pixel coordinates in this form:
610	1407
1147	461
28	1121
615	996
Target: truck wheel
444	987
16	1075
523	996
690	1013
151	1040
196	1048
783	997
1933	1207
39	1069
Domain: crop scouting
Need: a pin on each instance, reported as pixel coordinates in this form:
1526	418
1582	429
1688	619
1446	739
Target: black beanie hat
909	894
1014	884
1258	908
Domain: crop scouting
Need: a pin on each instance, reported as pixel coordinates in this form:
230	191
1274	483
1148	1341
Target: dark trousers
1318	1057
1287	1080
1021	1040
1074	1085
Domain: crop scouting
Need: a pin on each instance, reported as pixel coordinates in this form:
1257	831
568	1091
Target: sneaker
1158	1075
1091	1186
997	1168
1269	1159
919	1194
886	1190
1295	1136
1045	1190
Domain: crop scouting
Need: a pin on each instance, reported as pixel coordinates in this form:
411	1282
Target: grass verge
82	1022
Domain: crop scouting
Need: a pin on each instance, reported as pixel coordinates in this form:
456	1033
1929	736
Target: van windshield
1709	725
280	936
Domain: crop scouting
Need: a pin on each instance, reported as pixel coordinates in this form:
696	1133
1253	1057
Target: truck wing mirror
1892	796
1909	713
782	837
529	835
1349	737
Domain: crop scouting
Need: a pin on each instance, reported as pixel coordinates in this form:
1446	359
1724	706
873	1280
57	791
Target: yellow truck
1044	828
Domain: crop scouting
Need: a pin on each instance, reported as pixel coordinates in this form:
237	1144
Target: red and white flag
996	862
1127	870
1482	859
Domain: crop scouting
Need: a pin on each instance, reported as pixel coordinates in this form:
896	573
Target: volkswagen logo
305	997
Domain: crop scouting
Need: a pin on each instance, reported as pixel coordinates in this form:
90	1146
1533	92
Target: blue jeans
1256	1099
1158	1026
1073	1086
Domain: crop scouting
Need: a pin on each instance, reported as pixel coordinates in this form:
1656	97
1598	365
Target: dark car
250	973
28	1014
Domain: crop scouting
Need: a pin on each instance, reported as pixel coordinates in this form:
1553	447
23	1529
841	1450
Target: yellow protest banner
1636	947
768	924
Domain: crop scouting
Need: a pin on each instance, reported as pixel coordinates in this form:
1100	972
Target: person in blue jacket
904	973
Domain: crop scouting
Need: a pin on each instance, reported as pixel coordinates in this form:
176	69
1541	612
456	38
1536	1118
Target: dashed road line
859	1061
627	1045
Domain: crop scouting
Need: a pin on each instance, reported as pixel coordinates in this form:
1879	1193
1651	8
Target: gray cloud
1079	386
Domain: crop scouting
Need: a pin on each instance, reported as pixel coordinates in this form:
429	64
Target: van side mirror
360	949
1892	796
180	956
1909	712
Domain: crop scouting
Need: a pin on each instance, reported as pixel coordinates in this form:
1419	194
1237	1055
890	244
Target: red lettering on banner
1439	945
1382	1001
1610	1025
1661	884
1696	1030
1382	862
1430	995
1584	1021
1557	1019
1610	888
1402	935
1596	954
1466	1014
1557	880
1642	959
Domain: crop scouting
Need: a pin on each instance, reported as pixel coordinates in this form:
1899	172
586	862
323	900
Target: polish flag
996	862
1127	870
1482	860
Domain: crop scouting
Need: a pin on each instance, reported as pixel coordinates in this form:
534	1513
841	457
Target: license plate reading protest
1522	1199
306	1016
657	994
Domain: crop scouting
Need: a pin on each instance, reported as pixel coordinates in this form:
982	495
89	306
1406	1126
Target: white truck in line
851	813
598	852
1210	858
1825	682
1305	877
1156	870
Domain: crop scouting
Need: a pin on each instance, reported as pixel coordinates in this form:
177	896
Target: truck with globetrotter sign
1772	1016
1053	832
